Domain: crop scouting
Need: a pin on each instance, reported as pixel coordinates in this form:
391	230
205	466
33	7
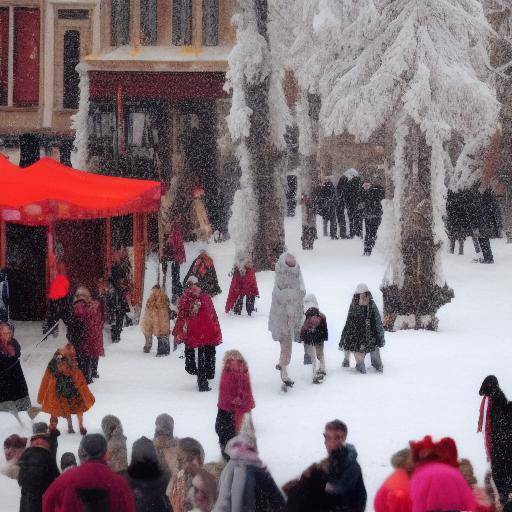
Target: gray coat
286	310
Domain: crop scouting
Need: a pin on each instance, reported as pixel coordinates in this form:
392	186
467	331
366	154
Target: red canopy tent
47	192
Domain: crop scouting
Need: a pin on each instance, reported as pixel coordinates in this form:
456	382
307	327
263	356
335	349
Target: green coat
363	331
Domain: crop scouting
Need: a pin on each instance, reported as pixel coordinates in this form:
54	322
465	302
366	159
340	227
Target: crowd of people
169	474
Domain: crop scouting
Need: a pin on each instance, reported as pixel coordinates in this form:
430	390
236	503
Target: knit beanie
67	460
143	450
164	425
39	428
92	447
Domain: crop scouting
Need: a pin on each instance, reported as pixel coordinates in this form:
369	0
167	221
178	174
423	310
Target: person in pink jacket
436	483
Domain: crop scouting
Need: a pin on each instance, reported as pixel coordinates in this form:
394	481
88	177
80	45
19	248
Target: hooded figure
146	479
286	310
204	269
166	445
313	334
363	332
155	321
245	484
498	434
116	441
235	398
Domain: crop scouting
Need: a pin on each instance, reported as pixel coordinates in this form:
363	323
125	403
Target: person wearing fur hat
146	478
51	435
204	491
117	458
63	390
243	284
245	483
393	495
14	446
14	396
190	460
155	321
484	502
198	327
204	269
363	332
86	333
166	445
286	310
235	398
313	334
496	424
437	483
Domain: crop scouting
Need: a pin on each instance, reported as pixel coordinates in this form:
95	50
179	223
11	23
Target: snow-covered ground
429	386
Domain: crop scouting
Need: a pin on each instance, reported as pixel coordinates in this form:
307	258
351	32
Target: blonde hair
233	354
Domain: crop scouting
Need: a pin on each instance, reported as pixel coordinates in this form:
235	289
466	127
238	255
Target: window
182	22
120	22
148	23
71	94
210	22
26	57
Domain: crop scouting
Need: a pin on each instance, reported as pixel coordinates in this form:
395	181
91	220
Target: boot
307	358
284	377
360	367
346	363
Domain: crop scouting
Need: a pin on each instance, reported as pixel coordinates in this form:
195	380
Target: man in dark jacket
327	204
350	186
371	197
92	486
38	470
335	484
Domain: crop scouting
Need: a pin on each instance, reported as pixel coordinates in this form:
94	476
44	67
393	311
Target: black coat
500	435
370	201
13	387
458	223
38	470
149	487
208	282
327	200
350	190
345	487
317	335
483	213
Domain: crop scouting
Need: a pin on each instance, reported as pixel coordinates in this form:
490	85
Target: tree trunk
265	164
310	110
414	304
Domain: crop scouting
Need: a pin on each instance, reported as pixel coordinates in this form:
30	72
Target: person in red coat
393	495
174	251
235	398
243	284
59	306
88	312
198	327
90	486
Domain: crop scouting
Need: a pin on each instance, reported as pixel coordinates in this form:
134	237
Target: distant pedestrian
156	321
371	198
243	285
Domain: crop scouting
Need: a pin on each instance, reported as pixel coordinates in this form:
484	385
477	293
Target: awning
48	191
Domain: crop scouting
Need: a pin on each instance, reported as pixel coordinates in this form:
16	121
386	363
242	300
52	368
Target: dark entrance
83	246
26	260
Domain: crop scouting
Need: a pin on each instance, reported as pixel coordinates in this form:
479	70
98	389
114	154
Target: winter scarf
487	428
235	393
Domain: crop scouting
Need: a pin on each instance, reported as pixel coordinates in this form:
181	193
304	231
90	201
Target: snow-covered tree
420	67
257	123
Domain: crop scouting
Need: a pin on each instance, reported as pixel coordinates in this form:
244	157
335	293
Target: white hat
192	280
362	288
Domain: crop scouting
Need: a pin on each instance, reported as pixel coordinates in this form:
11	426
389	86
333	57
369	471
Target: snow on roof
164	54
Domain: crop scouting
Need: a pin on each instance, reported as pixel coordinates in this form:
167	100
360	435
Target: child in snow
155	321
64	391
166	445
204	269
313	334
117	457
243	284
363	332
235	398
286	310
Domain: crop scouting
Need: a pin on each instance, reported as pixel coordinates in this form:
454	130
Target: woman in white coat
286	311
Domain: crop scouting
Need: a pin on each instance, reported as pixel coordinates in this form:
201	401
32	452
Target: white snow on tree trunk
79	121
427	59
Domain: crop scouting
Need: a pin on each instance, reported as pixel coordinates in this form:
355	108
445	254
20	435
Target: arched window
120	22
210	22
182	22
71	80
148	22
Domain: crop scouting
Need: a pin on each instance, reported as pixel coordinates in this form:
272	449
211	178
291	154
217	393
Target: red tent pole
3	244
138	259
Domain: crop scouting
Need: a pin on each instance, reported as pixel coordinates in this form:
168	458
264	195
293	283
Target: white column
96	29
49	68
10	58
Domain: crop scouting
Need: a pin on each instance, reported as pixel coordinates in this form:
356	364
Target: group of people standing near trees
354	198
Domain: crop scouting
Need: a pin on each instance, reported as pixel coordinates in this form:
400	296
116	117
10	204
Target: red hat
444	451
